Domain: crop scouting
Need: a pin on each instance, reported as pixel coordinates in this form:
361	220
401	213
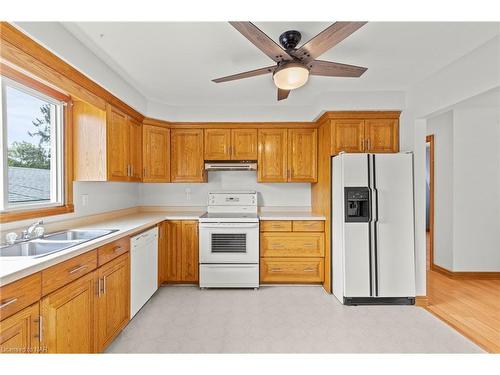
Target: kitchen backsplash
270	194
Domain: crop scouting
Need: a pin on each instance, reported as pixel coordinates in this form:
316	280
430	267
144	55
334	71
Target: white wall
442	128
275	194
101	197
476	181
474	73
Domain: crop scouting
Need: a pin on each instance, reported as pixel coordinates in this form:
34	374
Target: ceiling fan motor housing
290	39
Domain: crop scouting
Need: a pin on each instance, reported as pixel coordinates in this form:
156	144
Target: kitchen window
34	165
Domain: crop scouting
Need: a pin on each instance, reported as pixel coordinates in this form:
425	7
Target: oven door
229	243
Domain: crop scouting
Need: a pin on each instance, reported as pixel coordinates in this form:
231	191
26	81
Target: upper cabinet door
382	135
156	148
187	164
272	155
244	144
348	135
117	145
302	155
217	144
135	155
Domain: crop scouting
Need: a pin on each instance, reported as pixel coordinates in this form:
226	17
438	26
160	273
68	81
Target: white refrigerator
373	255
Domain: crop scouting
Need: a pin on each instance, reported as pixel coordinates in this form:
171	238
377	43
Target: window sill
6	217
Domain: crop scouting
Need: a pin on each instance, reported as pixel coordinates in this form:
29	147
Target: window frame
65	150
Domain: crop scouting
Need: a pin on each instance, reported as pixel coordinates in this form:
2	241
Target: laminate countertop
15	268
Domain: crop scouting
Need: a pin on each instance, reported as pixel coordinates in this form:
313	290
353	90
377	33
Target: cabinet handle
40	328
104	285
116	248
309	270
131	170
144	172
278	246
77	268
7	302
276	270
362	145
99	287
369	144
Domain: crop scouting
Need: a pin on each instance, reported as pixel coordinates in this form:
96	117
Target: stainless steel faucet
28	233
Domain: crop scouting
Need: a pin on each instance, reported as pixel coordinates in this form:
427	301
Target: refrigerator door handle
375	227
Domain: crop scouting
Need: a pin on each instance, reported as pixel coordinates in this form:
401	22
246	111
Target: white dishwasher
143	268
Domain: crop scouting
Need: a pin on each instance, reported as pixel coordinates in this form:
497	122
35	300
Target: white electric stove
229	241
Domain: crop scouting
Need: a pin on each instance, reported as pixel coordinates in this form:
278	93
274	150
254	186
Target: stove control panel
246	198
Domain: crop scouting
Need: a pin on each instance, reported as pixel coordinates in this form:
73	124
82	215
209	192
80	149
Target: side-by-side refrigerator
373	254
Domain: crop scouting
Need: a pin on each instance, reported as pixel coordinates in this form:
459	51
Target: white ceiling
174	62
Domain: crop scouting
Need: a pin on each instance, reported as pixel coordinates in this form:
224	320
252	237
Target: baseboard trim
422	301
466	275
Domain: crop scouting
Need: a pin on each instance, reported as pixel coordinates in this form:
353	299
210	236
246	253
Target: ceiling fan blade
327	39
261	41
250	73
333	69
282	94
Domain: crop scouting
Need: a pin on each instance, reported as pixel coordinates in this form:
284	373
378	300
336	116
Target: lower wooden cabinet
178	252
292	251
68	317
20	332
113	300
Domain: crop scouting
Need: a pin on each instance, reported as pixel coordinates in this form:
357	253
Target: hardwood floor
471	306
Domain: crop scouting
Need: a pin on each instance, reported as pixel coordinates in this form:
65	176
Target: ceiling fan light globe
291	77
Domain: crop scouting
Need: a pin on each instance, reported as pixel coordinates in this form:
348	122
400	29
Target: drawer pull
309	270
276	270
7	302
308	245
116	249
278	246
78	268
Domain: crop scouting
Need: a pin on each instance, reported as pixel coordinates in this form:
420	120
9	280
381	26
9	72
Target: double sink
52	243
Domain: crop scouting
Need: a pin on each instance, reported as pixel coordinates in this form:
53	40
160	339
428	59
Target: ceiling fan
293	66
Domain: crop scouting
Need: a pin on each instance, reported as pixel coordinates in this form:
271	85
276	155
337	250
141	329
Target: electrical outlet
188	193
85	200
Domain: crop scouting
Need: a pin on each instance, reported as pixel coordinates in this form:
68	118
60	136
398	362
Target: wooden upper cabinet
156	154
348	135
217	144
135	153
68	316
89	142
118	145
382	135
272	155
369	134
113	300
20	333
107	144
302	155
244	144
186	156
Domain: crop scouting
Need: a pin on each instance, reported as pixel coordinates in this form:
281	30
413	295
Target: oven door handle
232	226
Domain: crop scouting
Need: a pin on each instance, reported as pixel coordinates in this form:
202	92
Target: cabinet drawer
63	273
21	293
308	226
276	226
112	250
292	244
288	270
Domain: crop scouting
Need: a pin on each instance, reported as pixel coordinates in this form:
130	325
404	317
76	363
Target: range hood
228	165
